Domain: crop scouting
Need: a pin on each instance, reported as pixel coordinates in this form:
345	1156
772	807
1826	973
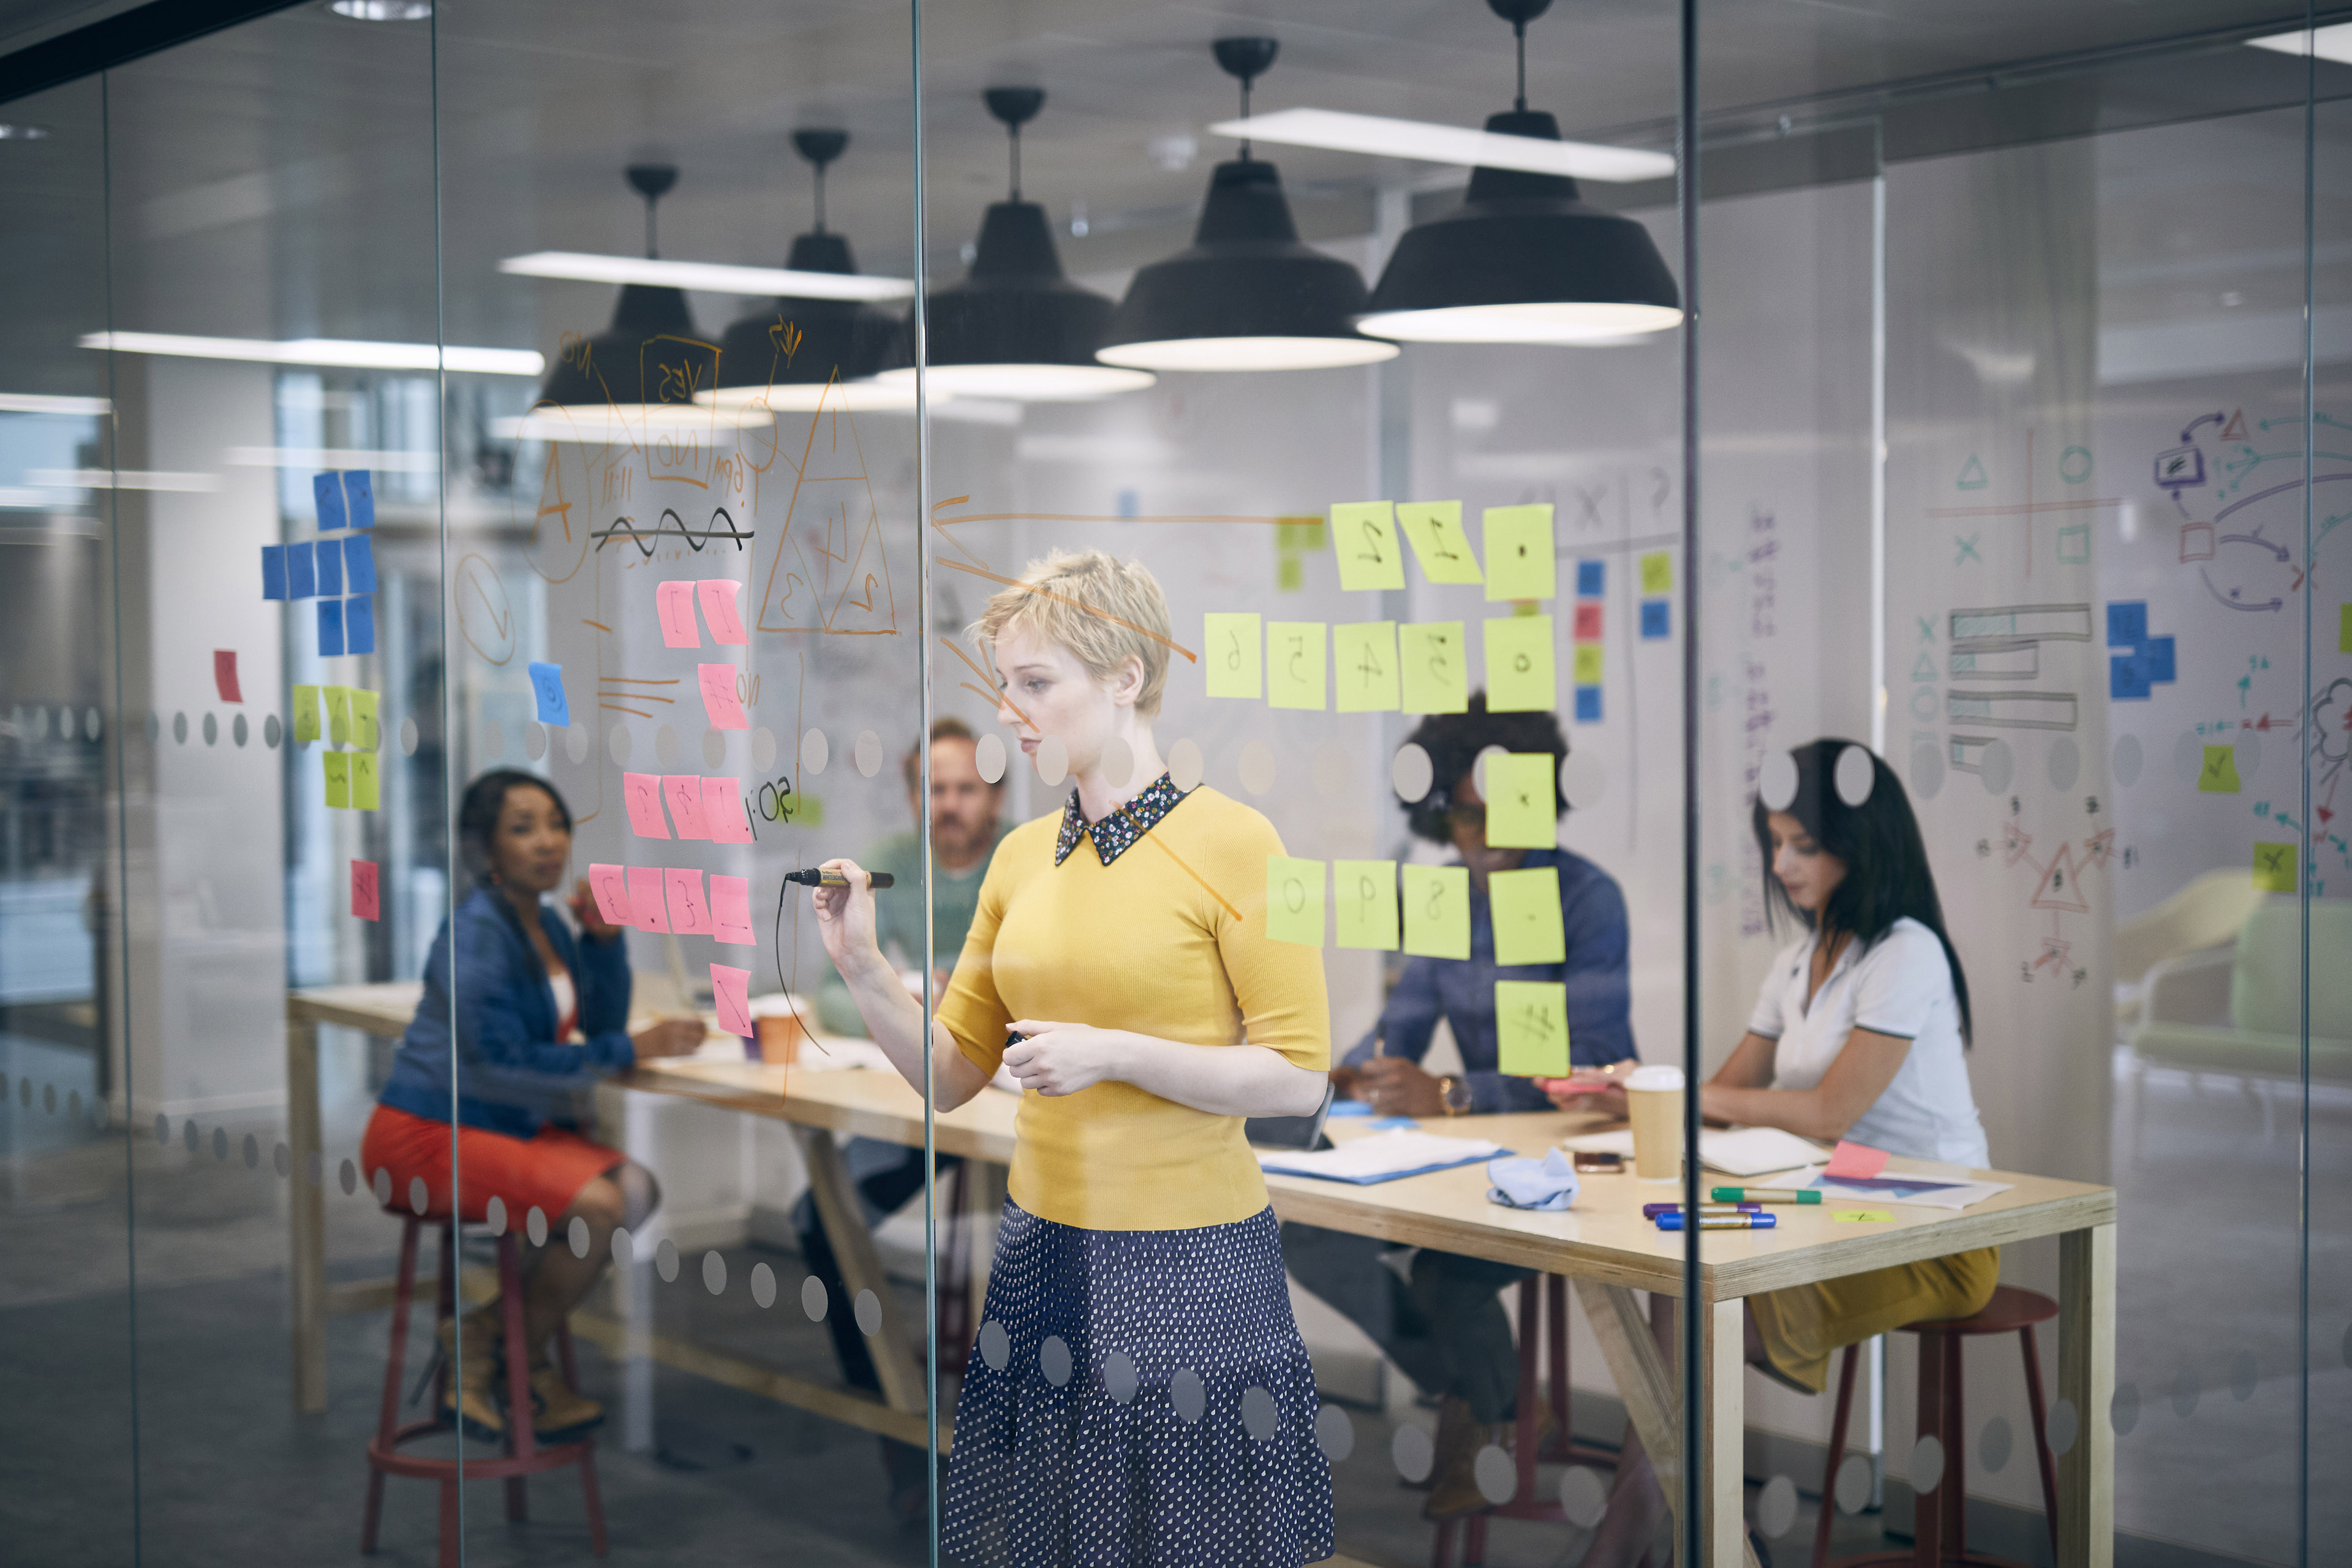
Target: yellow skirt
1802	1325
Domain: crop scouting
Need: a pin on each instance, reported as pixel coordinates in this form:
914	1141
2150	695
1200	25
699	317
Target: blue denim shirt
1600	1020
512	1075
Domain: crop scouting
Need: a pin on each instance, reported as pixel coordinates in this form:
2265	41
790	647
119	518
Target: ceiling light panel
2328	42
346	352
706	277
1379	136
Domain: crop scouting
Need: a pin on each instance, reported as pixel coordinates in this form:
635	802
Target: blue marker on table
1720	1222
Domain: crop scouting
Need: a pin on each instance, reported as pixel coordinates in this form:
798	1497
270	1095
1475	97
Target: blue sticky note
330	568
1588	705
273	571
547	680
302	580
331	628
359	563
2128	676
359	625
2127	623
1592	579
327	492
1657	619
360	490
2158	653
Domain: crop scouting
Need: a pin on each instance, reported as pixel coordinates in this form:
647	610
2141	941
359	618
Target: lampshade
651	354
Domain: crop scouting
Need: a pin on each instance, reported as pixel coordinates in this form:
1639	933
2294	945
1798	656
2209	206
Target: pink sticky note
225	680
365	902
645	898
1855	1159
717	595
674	605
731	910
641	792
723	811
718	696
611	886
684	794
689	912
731	991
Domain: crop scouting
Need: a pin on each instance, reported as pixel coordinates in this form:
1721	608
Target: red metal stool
523	1455
1939	1536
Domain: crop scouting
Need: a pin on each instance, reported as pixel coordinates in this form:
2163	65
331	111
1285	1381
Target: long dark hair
1886	871
478	818
1454	741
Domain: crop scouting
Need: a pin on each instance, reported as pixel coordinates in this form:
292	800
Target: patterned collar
1117	833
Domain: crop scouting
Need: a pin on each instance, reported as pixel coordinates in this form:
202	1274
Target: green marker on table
1767	1195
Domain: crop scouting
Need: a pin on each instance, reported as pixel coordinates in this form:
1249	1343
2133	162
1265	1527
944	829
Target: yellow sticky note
1364	660
339	714
1588	664
1520	563
1293	900
306	715
1521	802
1531	1027
2220	773
1657	573
1437	911
2273	867
339	778
365	734
1522	677
1364	903
1433	529
1526	905
1293	665
1435	676
365	796
1363	533
1865	1215
1232	655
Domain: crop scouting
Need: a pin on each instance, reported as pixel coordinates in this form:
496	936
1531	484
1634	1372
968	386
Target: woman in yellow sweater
1141	1393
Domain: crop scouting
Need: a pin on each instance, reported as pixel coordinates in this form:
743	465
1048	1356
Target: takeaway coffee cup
1653	1099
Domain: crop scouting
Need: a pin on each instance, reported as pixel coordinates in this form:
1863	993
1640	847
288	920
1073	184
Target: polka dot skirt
1138	1398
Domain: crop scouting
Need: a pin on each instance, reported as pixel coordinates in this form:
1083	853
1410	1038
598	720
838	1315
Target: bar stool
523	1455
1940	1532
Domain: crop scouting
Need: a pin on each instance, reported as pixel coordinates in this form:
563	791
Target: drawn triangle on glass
2098	847
865	603
2057	890
1972	475
2235	430
1925	669
2014	843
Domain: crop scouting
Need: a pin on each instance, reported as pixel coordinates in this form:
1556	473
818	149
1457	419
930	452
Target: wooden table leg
306	1216
843	1218
1723	1397
2087	1380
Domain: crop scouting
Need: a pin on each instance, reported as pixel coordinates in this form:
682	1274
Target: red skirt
545	1170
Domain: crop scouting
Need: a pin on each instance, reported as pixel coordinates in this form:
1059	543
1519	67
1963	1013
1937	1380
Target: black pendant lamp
1523	259
784	356
651	356
1246	295
1015	327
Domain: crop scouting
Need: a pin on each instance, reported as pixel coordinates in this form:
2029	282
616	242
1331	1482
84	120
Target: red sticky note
731	910
719	700
674	607
689	911
224	677
730	992
1855	1159
1588	622
611	886
723	813
718	597
641	792
645	898
366	902
684	794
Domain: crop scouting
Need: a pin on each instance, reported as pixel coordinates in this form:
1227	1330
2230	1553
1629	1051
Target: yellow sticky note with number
1363	535
2273	867
339	714
306	715
1364	665
1521	800
2220	773
365	734
1232	656
1293	665
1588	664
1521	675
1437	900
1525	906
1657	573
1520	563
1293	900
1434	676
1433	529
365	795
339	778
1531	1027
1364	903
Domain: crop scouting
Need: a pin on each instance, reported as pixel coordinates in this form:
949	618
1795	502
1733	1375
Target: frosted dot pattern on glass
534	741
576	1235
763	1286
1411	772
1996	766
1583	780
1776	1507
534	1225
1994	1445
1053	760
2065	1426
867	1310
2129	761
347	1176
252	1144
2187	1387
2245	1377
813	1302
1117	763
212	729
2065	763
1260	1418
815	752
220	1135
417	1195
988	756
616	743
1926	1464
1053	1360
763	749
1119	1375
239	731
996	1345
1853	776
714	749
1412	1453
382	1186
665	1260
1335	1434
1495	1474
867	752
1258	767
494	740
1776	784
575	740
495	1211
1853	1488
666	745
1332	770
1186	766
624	1250
1583	1495
2124	1413
714	1273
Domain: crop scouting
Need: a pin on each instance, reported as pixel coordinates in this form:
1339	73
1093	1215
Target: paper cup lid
1658	1075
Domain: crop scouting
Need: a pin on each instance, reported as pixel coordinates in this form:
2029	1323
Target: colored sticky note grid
358	626
224	675
1520	675
719	697
1657	618
301	573
547	688
1588	661
1231	657
1293	665
647	903
1364	660
1850	1160
689	911
610	884
359	563
683	794
641	797
273	571
327	498
674	608
731	910
304	714
339	714
1588	705
1531	1027
1364	903
1592	579
1526	908
723	813
1588	621
337	767
1436	904
1521	800
327	562
366	795
366	902
730	998
1363	534
1657	573
1433	529
1519	562
2126	622
365	734
719	597
2220	773
1293	900
2273	867
1433	674
331	628
358	492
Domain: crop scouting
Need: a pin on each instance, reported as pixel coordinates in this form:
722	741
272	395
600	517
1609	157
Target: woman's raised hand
844	917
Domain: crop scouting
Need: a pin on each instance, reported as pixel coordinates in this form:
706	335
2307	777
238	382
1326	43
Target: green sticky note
1293	900
1435	676
339	714
364	734
1531	1027
1364	534
1293	665
2220	773
1364	660
2344	628
1520	563
1657	573
306	715
2273	867
1865	1215
365	795
1522	677
339	778
1526	905
1588	664
1437	911
1364	903
1232	656
1433	529
1520	802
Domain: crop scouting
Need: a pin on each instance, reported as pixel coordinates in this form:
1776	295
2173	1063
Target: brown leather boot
1453	1478
470	1400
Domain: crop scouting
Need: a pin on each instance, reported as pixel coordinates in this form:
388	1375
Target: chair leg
395	1363
1956	1469
1929	1528
375	1515
1530	1391
593	1498
449	1554
2033	1402
1441	1545
1556	1333
1473	1553
1837	1455
521	1439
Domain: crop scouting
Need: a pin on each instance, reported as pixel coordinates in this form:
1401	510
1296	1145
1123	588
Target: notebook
1381	1157
1735	1150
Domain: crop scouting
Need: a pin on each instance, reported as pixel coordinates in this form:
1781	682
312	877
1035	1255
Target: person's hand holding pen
845	916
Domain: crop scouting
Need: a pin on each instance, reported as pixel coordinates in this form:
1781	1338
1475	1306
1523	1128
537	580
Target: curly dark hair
477	814
1454	741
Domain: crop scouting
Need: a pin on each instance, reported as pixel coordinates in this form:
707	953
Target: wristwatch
1455	1093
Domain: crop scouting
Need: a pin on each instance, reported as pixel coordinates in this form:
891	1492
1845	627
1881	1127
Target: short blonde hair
1101	608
